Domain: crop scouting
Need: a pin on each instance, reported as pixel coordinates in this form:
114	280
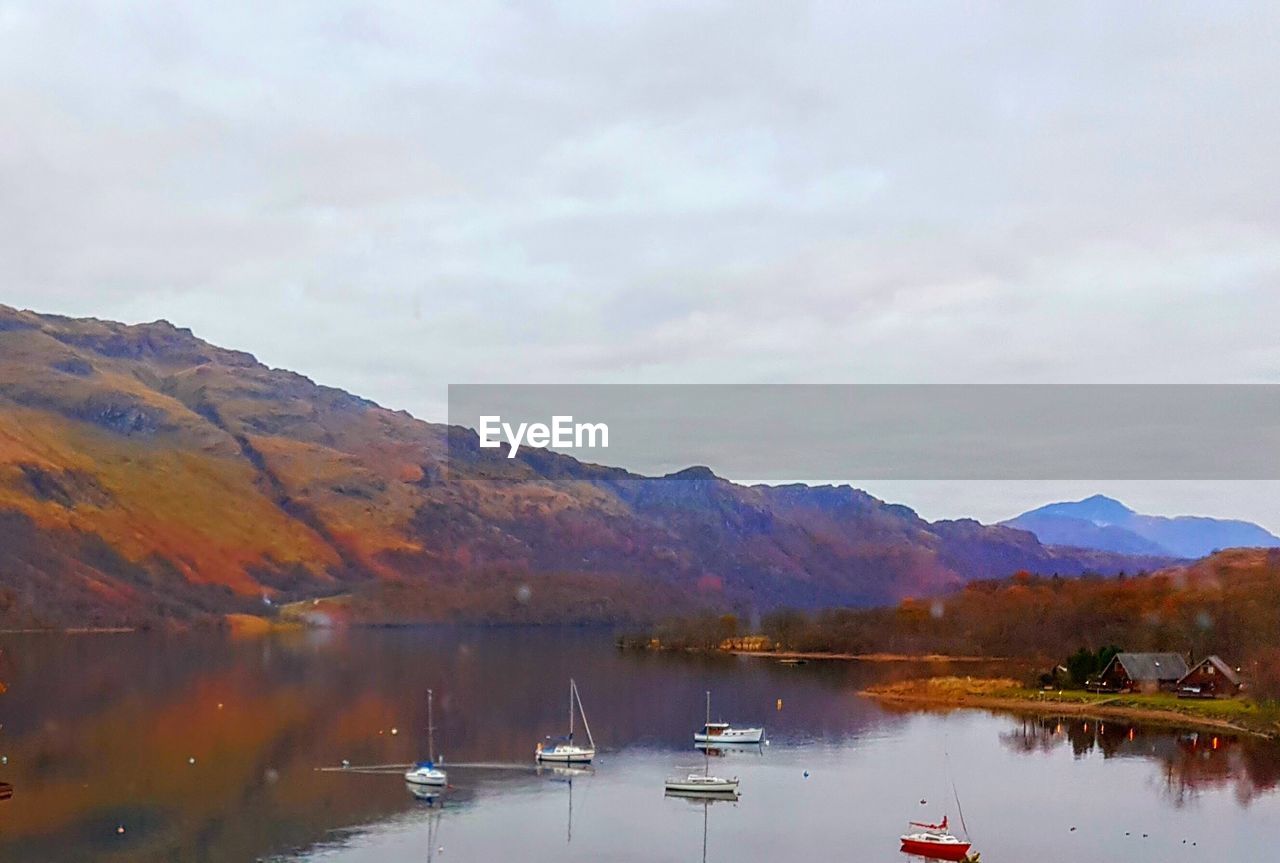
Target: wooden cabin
1211	677
1141	672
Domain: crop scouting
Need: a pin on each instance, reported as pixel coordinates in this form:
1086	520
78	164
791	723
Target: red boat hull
937	850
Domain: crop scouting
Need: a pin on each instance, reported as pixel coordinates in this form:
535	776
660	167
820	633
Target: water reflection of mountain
1189	761
189	741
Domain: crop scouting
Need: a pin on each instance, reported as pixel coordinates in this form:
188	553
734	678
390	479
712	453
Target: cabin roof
1219	663
1153	666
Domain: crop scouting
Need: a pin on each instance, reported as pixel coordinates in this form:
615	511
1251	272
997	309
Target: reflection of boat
568	834
568	771
721	733
565	751
703	798
935	840
433	834
426	793
426	773
705	801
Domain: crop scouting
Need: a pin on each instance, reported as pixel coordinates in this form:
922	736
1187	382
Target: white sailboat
722	733
425	773
698	784
704	784
565	751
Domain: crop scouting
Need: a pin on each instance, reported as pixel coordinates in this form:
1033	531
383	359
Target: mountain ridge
1103	523
150	478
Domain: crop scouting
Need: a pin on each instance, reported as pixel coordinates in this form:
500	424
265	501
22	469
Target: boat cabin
1211	677
1141	672
715	729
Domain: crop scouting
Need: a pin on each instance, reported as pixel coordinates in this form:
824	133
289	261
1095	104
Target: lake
156	748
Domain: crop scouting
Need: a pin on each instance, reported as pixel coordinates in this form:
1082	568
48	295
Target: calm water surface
207	749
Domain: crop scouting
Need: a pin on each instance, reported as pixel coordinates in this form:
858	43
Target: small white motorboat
564	750
722	733
425	773
697	783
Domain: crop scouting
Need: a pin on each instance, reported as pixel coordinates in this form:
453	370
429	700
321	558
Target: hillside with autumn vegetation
150	478
1226	604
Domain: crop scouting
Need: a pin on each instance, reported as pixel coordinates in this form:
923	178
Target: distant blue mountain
1103	523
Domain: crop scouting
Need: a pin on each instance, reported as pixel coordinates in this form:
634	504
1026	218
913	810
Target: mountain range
1105	524
149	478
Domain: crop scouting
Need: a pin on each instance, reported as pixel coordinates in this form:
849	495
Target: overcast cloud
391	197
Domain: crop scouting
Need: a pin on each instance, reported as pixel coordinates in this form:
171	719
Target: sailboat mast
708	706
431	729
946	755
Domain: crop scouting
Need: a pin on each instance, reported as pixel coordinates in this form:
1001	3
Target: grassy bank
1229	714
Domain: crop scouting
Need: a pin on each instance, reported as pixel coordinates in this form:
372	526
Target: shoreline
865	657
969	696
70	630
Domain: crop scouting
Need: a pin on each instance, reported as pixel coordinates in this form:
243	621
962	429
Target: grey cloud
392	196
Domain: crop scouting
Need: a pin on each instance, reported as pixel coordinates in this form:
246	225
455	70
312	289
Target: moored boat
564	750
723	733
697	783
936	841
425	773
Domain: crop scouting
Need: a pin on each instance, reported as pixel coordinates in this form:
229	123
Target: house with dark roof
1211	677
1141	672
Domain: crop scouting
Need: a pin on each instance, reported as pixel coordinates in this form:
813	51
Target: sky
392	197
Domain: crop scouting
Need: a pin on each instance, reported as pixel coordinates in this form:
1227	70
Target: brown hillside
146	476
1227	603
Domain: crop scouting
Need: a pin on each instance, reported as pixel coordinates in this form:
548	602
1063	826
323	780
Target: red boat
934	840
